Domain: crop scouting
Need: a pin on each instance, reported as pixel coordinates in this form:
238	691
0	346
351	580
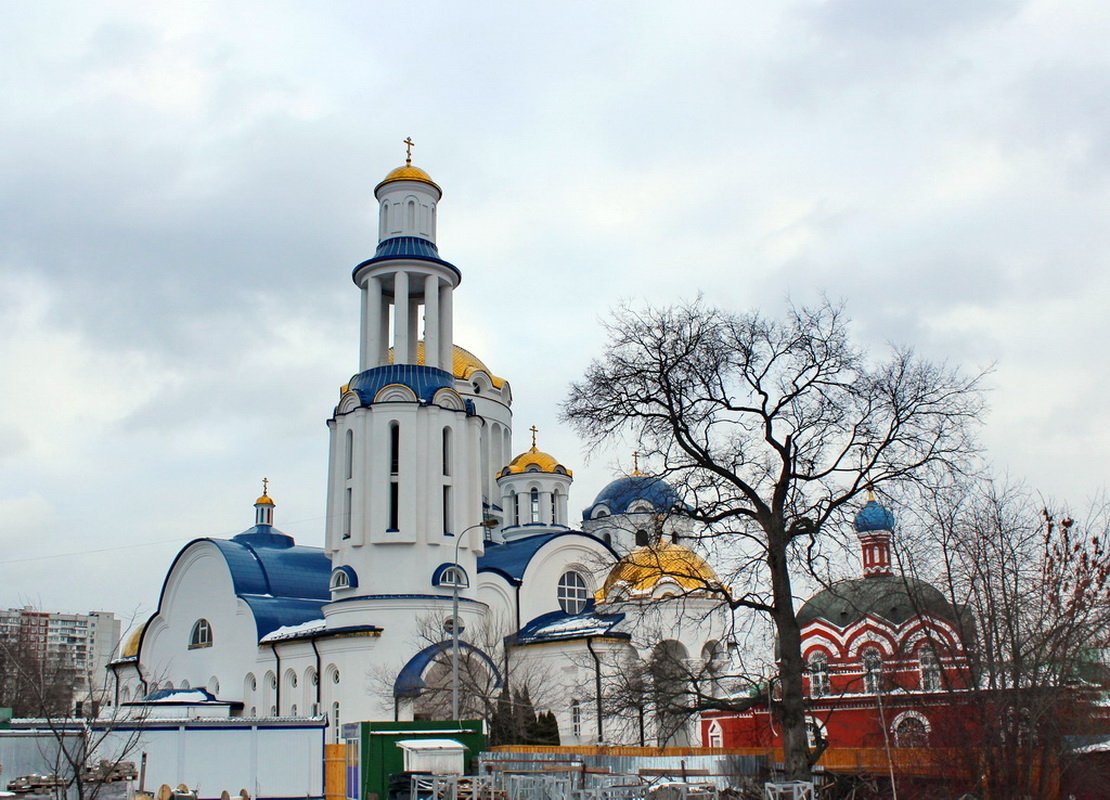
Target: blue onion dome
623	493
874	517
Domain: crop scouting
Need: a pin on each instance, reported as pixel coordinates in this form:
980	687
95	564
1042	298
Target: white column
371	324
401	353
563	510
487	485
414	326
431	322
546	506
446	338
383	329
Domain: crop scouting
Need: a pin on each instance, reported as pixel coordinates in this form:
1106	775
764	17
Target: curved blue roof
283	583
623	492
408	247
510	559
424	381
874	517
410	680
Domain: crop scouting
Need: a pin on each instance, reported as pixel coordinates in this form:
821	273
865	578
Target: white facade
421	455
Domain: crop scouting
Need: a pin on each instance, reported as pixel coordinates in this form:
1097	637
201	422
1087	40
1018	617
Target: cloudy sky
185	189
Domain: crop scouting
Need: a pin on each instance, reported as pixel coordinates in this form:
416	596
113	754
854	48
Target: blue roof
558	626
283	583
874	517
424	381
623	492
407	247
410	680
510	559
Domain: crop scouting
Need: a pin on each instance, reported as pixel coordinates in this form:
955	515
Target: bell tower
404	481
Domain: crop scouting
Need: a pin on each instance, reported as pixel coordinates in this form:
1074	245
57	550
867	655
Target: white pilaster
446	337
371	324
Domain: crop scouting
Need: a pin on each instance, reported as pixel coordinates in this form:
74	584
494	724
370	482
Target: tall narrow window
514	502
555	508
394	448
350	455
447	510
347	513
535	507
818	675
930	669
410	215
446	451
576	717
872	670
641	538
394	476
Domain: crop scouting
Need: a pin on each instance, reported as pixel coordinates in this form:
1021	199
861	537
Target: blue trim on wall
437	575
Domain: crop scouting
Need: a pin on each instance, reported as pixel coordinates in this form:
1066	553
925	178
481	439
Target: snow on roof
293	631
179	696
430	744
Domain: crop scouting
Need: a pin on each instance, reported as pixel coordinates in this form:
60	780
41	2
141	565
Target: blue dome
619	495
874	517
424	381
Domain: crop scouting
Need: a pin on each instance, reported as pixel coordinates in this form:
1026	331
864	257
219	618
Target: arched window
607	538
514	508
410	215
446	451
293	710
818	675
201	635
576	717
716	737
555	508
911	730
347	502
349	455
451	577
872	670
573	592
340	579
930	669
185	685
534	515
641	538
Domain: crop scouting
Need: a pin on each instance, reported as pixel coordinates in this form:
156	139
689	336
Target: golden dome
264	500
131	646
535	460
408	173
463	364
640	571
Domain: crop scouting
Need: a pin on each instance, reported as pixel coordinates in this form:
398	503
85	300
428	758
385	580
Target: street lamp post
489	522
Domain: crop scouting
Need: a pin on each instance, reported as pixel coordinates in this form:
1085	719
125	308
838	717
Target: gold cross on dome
635	462
409	143
265	485
534	430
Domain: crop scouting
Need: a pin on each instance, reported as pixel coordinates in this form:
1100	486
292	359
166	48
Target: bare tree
771	428
1034	586
90	738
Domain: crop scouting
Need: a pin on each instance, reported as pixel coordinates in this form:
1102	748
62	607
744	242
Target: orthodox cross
265	486
534	430
635	462
408	150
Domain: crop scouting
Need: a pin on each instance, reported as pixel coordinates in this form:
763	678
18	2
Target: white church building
429	509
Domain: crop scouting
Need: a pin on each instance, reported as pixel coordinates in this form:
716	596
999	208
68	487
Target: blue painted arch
410	680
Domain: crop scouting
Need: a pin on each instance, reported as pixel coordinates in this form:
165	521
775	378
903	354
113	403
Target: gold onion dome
264	500
535	460
639	572
408	172
463	364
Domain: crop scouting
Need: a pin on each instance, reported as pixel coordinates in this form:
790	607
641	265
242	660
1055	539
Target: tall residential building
85	643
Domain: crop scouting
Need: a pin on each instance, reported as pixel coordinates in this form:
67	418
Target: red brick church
886	660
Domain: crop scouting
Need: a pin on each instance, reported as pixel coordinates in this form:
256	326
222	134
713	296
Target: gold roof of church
264	500
543	462
463	364
131	646
408	172
642	569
